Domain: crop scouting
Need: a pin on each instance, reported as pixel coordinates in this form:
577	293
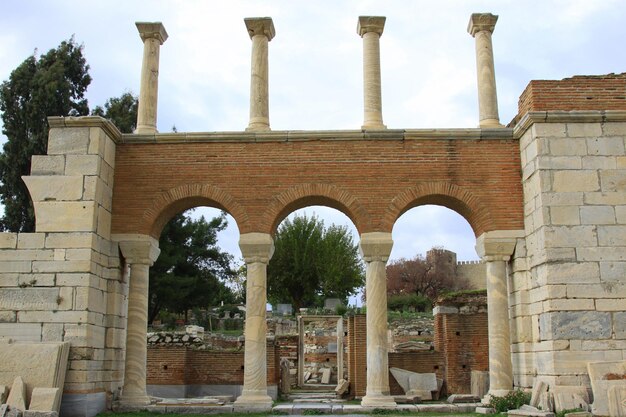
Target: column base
373	126
253	402
494	393
380	400
133	401
490	124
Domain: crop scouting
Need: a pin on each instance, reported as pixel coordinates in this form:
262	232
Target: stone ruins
545	196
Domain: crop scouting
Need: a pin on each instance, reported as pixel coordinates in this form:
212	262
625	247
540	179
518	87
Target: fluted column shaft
261	32
153	35
140	253
257	250
375	248
481	27
370	28
495	248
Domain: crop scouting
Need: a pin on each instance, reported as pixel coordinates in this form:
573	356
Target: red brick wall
583	92
372	180
357	355
185	366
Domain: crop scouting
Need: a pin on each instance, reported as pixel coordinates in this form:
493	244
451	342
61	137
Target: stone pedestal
140	252
481	26
496	248
261	31
257	249
153	35
375	248
370	28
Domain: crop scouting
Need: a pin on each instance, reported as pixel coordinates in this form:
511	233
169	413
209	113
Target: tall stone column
495	248
370	28
261	30
375	248
153	35
481	26
140	252
257	249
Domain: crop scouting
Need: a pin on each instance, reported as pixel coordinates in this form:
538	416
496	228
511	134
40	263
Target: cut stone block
462	398
570	398
4	393
423	394
485	410
45	399
546	401
480	383
17	395
579	414
342	387
604	375
538	389
530	413
326	376
414	383
617	400
3	410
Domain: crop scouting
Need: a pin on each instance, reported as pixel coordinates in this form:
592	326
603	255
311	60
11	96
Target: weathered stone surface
66	216
54	187
29	298
45	399
579	414
538	389
17	395
619	324
617	400
575	325
570	398
4	392
342	387
68	141
528	413
413	381
604	375
326	376
47	165
462	398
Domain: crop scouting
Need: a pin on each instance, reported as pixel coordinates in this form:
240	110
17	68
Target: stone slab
480	383
617	400
604	375
326	376
41	364
462	398
4	393
3	410
570	397
342	387
423	394
45	399
538	389
579	414
485	410
17	395
529	413
29	298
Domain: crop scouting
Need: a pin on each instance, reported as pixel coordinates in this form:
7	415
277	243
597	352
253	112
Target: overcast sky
427	62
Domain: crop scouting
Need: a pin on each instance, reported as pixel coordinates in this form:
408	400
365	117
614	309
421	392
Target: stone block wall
64	282
568	280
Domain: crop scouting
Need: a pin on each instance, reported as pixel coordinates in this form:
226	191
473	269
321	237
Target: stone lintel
370	24
137	248
498	244
481	21
150	30
256	247
260	26
375	246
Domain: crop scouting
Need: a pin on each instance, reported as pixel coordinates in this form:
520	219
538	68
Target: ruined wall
65	282
568	283
474	272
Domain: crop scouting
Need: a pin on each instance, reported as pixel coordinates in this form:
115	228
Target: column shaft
134	390
500	365
481	26
375	248
370	28
261	32
153	36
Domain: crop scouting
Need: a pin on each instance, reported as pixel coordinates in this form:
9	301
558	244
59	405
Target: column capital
481	21
260	26
152	30
256	247
375	246
138	249
370	24
498	244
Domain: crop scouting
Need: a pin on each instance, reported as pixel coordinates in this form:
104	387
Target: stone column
257	249
375	248
261	31
370	28
153	35
495	248
481	26
140	251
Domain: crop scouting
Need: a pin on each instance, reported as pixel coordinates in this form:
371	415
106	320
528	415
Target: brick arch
178	199
315	195
442	194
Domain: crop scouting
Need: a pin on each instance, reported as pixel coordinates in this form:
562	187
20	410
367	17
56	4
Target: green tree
122	111
53	85
191	269
311	262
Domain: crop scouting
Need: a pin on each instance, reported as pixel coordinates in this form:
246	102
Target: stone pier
261	31
257	249
140	252
375	248
153	35
370	28
481	26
